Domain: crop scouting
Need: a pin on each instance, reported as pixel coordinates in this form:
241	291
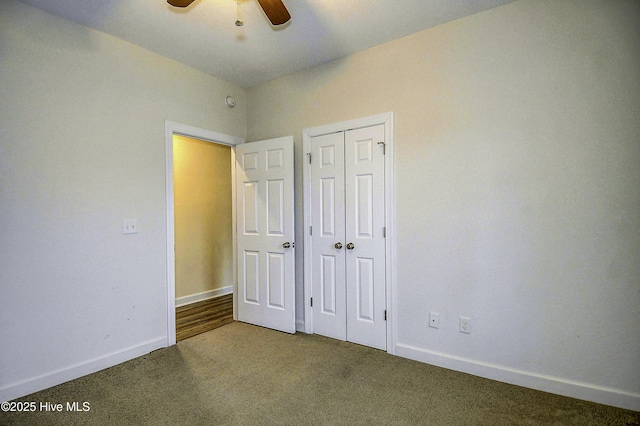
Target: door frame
170	129
385	119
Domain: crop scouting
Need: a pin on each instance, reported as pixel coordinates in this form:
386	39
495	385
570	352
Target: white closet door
328	247
265	232
365	221
348	247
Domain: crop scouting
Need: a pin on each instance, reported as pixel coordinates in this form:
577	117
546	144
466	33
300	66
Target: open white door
265	233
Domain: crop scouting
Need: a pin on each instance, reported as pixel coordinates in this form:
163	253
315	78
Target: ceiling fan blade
180	3
275	11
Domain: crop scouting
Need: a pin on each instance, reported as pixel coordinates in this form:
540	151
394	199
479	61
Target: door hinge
384	232
311	230
385	314
312	302
309	155
384	147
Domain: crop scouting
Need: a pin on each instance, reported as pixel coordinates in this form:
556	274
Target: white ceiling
205	37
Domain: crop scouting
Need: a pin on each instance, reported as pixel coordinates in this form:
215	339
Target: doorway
201	136
203	234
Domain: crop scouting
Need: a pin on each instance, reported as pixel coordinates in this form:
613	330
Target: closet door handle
350	246
286	245
338	245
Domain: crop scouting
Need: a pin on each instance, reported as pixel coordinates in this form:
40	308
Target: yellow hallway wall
203	234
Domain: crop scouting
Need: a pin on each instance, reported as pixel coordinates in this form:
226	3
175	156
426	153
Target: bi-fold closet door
348	231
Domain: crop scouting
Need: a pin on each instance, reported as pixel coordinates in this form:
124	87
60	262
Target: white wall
517	187
82	147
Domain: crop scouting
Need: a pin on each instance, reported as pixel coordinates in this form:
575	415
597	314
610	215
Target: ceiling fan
274	9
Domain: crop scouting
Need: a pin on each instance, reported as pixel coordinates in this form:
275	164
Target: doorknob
338	245
288	244
350	246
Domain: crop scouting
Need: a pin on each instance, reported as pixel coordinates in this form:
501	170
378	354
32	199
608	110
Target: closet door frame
385	119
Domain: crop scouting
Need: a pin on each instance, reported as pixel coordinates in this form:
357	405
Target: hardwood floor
203	316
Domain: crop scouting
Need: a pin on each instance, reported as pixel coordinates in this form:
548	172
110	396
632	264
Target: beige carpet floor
244	375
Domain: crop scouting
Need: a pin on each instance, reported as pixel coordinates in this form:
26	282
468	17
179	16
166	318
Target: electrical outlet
434	320
465	325
130	226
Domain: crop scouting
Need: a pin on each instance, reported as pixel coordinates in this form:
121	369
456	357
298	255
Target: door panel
364	206
251	274
275	207
275	159
250	210
276	282
365	266
328	207
328	285
327	220
265	218
365	289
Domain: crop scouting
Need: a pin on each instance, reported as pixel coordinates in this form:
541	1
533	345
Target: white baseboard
555	385
35	384
300	326
199	297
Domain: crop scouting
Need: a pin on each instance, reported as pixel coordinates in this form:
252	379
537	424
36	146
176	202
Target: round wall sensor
230	101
